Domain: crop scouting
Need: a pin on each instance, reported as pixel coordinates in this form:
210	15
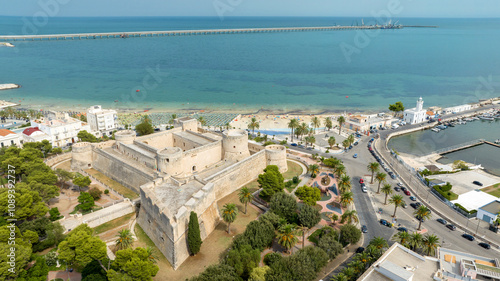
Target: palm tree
350	138
350	217
316	122
398	201
402	238
379	243
346	199
340	277
349	273
344	183
245	197
345	144
151	254
292	125
314	169
287	236
202	121
380	178
298	132
125	239
373	167
304	129
312	140
358	266
303	230
331	142
374	252
333	217
328	123
415	241
422	213
430	243
363	257
254	124
172	118
339	170
387	190
229	213
341	121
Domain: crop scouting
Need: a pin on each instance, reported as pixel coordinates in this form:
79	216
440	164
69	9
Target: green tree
397	201
259	233
379	243
330	245
64	176
93	271
387	190
346	199
397	107
222	272
85	136
313	169
95	193
80	247
287	236
350	139
344	183
86	201
202	121
254	124
132	264
333	217
243	259
341	121
271	181
380	177
372	168
339	171
345	144
331	142
293	124
29	203
308	216
124	239
82	181
38	272
422	213
145	127
308	194
194	237
430	244
328	123
304	265
245	197
259	273
46	191
350	217
54	214
172	118
283	205
340	277
229	213
415	241
316	122
402	238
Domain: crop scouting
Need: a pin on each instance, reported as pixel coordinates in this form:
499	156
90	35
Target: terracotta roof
30	131
5	132
430	113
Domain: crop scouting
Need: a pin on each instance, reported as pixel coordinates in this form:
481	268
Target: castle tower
170	160
235	145
125	136
81	153
420	104
276	155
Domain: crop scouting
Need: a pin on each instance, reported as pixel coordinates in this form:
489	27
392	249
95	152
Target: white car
364	189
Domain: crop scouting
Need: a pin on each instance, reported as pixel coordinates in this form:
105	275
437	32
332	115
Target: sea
425	142
320	71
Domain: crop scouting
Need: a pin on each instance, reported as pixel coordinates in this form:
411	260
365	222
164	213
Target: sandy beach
271	121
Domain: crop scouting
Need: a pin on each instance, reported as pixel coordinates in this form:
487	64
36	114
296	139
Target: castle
177	171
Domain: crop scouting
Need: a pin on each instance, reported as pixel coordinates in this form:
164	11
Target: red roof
5	132
30	131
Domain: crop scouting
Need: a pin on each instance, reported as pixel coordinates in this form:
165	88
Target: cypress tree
194	238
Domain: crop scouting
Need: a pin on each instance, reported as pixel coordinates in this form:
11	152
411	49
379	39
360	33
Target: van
395	126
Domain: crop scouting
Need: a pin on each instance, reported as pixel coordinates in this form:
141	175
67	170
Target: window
168	160
12	142
234	146
162	239
194	168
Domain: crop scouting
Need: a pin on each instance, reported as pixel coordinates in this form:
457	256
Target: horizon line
267	16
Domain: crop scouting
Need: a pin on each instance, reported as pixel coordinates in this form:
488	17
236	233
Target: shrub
283	205
51	258
106	191
95	193
268	143
272	258
310	195
54	214
295	179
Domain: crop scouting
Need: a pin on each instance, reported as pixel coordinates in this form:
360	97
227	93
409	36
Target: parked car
419	218
393	176
468	237
442	221
419	204
384	222
397	188
360	250
477	183
361	180
293	144
412	198
451	227
364	229
364	189
402	229
404	205
355	155
407	193
485	245
355	143
403	189
400	184
413	205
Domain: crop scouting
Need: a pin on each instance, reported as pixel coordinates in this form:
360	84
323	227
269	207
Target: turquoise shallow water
301	71
424	142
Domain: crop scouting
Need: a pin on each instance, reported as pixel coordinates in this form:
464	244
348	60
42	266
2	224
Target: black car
441	221
384	222
419	204
468	237
403	188
419	218
451	227
477	183
360	250
414	205
397	188
402	229
485	245
364	229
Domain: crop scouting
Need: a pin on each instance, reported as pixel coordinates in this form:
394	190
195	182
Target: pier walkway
79	36
463	146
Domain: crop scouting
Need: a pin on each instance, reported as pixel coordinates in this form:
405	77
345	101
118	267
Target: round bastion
81	155
125	136
170	160
235	144
276	155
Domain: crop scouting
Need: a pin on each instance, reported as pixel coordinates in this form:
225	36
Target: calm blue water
304	71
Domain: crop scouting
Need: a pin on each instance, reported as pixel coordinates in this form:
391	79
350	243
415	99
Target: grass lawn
217	242
290	189
493	190
294	169
113	184
113	223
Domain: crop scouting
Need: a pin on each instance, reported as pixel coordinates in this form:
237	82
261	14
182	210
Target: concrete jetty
79	36
9	86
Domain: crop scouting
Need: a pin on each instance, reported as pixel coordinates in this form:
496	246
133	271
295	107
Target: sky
361	8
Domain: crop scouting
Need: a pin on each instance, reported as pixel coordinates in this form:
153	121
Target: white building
415	115
9	138
457	109
489	212
101	121
61	129
33	134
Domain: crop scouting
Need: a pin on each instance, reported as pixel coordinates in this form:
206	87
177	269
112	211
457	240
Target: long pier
79	36
464	146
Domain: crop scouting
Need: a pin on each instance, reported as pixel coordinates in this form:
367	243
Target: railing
458	146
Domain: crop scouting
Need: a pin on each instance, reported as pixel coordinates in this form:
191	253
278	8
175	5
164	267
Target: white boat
487	118
435	130
497	141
